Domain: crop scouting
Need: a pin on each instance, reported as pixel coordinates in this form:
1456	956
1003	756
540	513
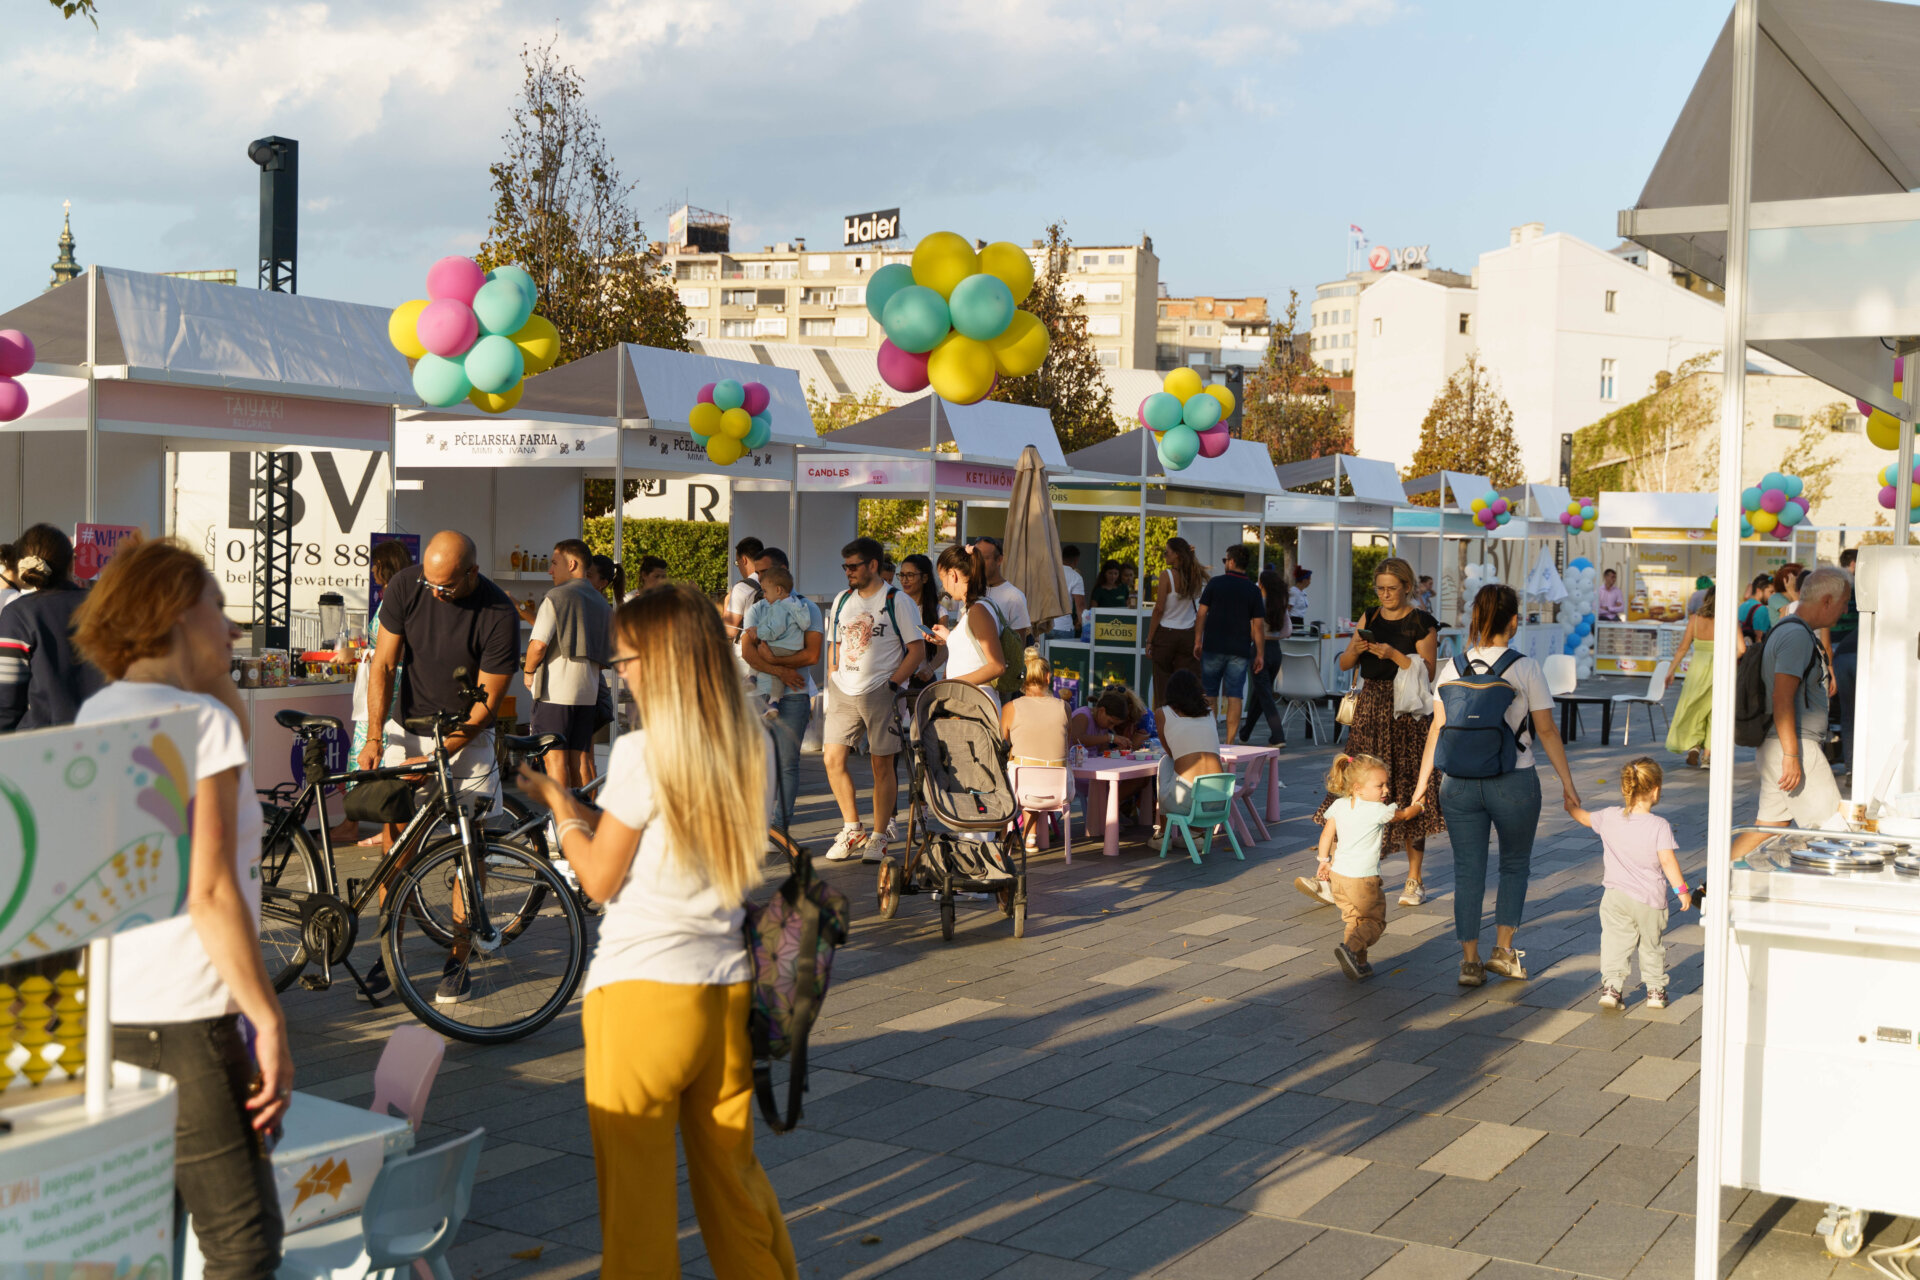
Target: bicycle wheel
514	815
512	989
513	922
289	876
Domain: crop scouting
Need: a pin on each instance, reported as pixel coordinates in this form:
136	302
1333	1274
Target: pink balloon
902	370
1498	506
1899	368
1214	441
758	398
1140	414
1772	500
1866	410
447	328
705	396
16	353
1782	532
13	401
1888	496
456	279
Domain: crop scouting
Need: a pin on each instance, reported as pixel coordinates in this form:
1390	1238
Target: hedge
696	551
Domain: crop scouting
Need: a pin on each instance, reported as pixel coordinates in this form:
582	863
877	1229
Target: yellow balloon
725	450
736	423
490	403
1479	504
961	369
1762	521
539	343
704	419
1883	430
1224	396
942	260
1183	383
1010	263
1021	347
402	328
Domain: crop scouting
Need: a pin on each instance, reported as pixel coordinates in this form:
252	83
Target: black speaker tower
279	161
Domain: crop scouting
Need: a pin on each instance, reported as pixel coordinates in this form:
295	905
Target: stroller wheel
888	888
1019	919
946	914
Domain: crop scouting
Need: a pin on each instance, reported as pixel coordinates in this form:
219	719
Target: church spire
65	267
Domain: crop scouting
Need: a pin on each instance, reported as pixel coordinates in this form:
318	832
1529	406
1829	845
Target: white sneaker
847	844
1413	895
876	846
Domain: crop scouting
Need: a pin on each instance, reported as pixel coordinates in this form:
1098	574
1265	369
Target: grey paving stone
1105	1140
1446	1212
1299	1184
1090	1088
1242	1252
1335	1255
1502	1100
1274	1121
1212	924
1160	1239
1370	1197
1571	1110
1526	1225
1089	1223
1483	1151
1137	972
1355	1123
1671	1257
941	1015
1644	1122
1530	1061
1040	1266
976	1070
1161	1091
1609	1241
1424	1262
896	1119
1011	1143
958	1259
1656	1078
1224	1172
1036	1077
1265	958
1631	1175
1021	1207
1377	1082
917	1064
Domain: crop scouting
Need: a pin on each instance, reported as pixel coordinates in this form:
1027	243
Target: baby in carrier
779	625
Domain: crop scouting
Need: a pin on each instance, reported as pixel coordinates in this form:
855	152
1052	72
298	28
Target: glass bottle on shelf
514	562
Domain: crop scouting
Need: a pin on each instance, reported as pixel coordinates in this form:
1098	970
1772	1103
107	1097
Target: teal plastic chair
1209	810
412	1213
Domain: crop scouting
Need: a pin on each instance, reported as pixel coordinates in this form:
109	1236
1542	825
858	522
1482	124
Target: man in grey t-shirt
1796	783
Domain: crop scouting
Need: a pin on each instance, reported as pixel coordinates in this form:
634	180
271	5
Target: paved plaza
1169	1076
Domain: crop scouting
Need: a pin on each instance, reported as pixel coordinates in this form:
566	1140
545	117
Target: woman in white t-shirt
1507	803
674	853
973	644
1192	738
1176	599
153	625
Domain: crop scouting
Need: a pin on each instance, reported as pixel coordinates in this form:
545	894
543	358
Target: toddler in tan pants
1350	854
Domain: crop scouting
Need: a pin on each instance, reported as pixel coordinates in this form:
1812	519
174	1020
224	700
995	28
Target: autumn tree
1469	429
1288	406
1814	455
1069	386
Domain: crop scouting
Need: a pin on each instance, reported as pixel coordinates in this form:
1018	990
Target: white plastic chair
1299	683
1044	792
412	1213
406	1072
1656	690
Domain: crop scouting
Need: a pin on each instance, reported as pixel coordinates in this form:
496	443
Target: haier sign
867	228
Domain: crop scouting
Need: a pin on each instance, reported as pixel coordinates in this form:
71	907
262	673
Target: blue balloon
494	363
441	382
761	433
916	318
1179	447
1586	513
728	394
502	307
1201	411
1750	498
981	306
1791	514
1794	485
1162	410
520	276
1592	620
886	282
1580	563
1502	518
1773	480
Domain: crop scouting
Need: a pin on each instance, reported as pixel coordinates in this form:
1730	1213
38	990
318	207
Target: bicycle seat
535	744
303	724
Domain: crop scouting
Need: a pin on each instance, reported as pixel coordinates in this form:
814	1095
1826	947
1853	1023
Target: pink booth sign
907	475
240	415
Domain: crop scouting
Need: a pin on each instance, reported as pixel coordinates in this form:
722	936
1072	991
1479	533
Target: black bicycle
481	936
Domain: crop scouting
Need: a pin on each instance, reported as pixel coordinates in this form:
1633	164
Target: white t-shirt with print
1012	603
1524	675
1076	586
665	923
161	972
868	649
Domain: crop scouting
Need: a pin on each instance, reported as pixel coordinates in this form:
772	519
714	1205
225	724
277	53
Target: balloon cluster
1889	478
1772	507
1188	418
1472	578
1580	515
1883	429
474	336
1582	593
16	357
729	419
953	320
1492	511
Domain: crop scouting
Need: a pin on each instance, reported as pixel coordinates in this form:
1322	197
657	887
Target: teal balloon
1791	514
1794	485
1201	411
1586	513
1503	517
502	307
523	278
494	364
1162	412
761	433
441	382
699	439
728	394
1179	447
982	306
916	318
1746	529
1773	480
886	282
1750	498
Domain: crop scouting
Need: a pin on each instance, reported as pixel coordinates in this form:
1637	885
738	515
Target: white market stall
1810	110
1367	495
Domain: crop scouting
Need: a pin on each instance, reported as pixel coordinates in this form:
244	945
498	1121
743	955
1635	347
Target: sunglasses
854	566
443	590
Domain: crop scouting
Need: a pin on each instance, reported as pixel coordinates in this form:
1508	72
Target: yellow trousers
660	1056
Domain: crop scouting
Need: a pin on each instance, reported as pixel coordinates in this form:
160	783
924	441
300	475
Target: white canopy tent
1366	496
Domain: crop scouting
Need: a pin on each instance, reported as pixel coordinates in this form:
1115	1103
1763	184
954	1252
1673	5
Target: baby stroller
959	788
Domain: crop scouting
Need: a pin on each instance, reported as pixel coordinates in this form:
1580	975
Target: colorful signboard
517	443
94	545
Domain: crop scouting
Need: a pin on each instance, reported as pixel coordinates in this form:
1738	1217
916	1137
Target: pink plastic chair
1045	791
405	1075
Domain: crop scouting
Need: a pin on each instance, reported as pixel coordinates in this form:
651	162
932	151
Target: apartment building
1206	330
1335	316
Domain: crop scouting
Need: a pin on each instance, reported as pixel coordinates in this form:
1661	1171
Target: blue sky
1242	135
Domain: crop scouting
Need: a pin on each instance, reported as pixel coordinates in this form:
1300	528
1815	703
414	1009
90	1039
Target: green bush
696	551
1120	540
1365	561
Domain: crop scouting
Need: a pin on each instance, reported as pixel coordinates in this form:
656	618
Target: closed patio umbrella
1033	543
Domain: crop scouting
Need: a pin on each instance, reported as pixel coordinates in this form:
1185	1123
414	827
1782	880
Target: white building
1568	331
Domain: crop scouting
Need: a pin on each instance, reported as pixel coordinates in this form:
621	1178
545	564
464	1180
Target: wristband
572	824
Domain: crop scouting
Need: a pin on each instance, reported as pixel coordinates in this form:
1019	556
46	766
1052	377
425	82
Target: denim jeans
1260	699
1846	669
1224	675
221	1176
789	726
1475	809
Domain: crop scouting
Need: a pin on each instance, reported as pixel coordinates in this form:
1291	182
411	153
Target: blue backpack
1477	741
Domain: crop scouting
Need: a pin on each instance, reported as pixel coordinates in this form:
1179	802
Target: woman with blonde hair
676	849
1176	612
1035	726
1388	640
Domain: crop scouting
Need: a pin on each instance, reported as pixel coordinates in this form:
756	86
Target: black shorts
575	724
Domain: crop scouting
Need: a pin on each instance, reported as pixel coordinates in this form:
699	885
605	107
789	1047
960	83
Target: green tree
1289	407
1069	386
1813	456
85	8
898	524
1468	429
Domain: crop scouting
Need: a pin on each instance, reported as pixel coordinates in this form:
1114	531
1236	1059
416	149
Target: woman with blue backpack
1491	707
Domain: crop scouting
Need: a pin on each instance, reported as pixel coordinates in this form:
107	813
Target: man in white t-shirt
1010	600
873	646
744	592
1076	592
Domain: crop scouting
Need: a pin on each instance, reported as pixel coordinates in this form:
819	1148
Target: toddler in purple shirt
1639	862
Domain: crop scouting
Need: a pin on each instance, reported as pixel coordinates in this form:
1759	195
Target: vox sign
1385	259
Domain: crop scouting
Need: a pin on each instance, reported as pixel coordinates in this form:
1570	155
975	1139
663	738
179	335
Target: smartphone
1365	635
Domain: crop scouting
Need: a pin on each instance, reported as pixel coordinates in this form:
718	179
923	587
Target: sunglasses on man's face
854	566
443	589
